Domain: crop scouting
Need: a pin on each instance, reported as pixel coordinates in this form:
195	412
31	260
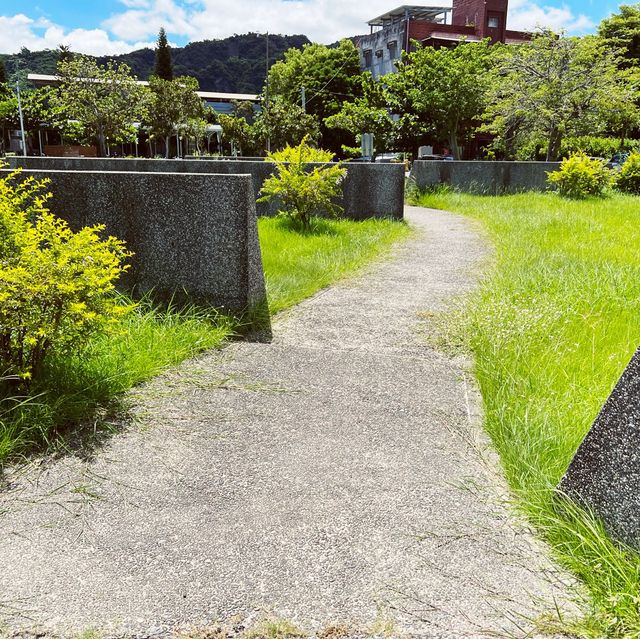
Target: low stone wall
491	178
370	190
194	236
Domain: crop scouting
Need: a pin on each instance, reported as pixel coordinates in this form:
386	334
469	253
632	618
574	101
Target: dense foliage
554	87
330	77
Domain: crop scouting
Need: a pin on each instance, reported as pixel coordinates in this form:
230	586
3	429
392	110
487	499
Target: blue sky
116	26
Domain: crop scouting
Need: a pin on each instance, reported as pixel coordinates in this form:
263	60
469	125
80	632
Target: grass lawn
88	386
552	328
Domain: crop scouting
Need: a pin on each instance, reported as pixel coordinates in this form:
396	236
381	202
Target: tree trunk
453	143
102	145
555	142
167	142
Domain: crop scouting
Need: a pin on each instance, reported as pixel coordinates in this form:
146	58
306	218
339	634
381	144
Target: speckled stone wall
483	177
370	190
605	473
194	236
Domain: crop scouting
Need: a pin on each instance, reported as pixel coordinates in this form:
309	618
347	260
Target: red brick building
437	26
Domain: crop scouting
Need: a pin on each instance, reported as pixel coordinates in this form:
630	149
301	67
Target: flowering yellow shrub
56	286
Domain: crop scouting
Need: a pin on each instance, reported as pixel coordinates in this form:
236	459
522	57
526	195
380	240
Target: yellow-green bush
56	286
580	176
304	191
628	179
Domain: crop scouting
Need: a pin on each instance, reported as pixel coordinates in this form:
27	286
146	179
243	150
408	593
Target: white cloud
526	15
21	31
321	20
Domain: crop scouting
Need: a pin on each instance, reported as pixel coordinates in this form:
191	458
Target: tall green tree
172	104
330	76
105	99
553	87
440	93
3	73
621	31
163	66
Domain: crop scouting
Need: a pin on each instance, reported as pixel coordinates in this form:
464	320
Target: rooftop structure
438	15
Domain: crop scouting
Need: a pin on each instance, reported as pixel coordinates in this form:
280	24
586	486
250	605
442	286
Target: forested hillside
236	64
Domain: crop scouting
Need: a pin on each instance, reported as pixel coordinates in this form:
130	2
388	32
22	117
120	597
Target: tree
106	99
330	76
239	134
286	124
552	87
163	66
64	53
172	104
441	92
621	31
3	73
370	113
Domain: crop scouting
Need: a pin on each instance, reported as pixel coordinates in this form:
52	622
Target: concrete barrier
194	236
370	190
491	178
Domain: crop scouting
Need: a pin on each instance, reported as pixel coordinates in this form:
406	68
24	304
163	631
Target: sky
107	27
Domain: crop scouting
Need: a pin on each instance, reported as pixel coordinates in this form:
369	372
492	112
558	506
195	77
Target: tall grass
297	264
552	328
88	386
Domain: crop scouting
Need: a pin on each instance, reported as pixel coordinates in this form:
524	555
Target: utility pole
24	144
304	99
266	94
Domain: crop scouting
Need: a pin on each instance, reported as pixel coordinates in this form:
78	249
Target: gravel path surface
338	474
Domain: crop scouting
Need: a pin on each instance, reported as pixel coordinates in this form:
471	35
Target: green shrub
628	179
55	285
580	176
302	190
596	146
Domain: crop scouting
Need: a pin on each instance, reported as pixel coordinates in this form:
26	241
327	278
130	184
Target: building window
367	58
494	23
393	49
379	53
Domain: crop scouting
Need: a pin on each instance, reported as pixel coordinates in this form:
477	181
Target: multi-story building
436	26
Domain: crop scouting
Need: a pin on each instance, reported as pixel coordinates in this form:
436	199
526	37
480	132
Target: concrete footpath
336	475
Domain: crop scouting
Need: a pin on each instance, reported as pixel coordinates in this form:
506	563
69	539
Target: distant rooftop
414	12
43	80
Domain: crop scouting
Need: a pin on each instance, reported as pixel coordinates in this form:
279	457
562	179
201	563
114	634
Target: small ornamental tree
56	286
303	190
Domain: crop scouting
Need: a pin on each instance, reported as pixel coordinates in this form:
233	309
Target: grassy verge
87	387
552	329
298	265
